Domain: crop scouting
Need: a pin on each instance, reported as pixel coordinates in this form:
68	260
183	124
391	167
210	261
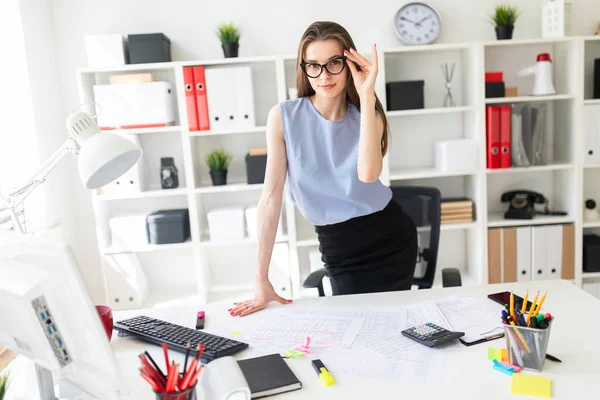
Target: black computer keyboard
176	337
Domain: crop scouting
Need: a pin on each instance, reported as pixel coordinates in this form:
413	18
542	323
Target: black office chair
423	205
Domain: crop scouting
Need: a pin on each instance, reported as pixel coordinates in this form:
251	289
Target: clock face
417	23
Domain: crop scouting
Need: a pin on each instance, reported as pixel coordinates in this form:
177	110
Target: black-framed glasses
333	66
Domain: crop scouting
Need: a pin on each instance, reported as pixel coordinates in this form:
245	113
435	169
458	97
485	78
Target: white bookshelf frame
474	183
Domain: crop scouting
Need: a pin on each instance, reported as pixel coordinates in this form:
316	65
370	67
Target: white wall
268	27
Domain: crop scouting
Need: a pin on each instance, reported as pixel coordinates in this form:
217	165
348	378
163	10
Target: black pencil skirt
371	253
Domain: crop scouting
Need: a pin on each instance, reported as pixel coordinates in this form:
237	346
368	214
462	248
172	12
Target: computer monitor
47	316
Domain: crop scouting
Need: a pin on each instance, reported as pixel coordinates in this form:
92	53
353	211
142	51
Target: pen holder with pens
527	346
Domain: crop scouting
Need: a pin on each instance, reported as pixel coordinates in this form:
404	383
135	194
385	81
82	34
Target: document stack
457	210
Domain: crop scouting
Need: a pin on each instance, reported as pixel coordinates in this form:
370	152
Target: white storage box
106	50
135	105
128	232
456	155
251	223
226	223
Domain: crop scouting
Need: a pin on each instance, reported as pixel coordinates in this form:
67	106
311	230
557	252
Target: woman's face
328	83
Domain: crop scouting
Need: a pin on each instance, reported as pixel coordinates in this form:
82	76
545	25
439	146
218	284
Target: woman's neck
331	108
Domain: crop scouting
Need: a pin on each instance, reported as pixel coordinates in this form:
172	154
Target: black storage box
591	253
495	89
149	48
168	226
405	95
255	168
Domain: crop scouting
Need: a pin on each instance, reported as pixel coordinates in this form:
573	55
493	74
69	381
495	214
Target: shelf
428	48
143	131
144	194
429	111
451	227
591	275
591	102
256	129
234	187
239	242
307	243
130	68
497	220
419	173
591	224
525	99
535	168
112	250
232	60
590	166
525	42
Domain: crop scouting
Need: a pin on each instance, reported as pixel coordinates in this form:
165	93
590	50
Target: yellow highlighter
323	373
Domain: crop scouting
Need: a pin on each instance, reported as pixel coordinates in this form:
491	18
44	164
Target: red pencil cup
106	316
188	394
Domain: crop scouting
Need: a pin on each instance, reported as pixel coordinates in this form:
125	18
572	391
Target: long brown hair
325	30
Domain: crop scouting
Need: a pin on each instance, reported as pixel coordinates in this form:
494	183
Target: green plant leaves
228	33
505	15
218	160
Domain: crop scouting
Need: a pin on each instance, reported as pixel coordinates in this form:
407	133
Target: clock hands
406	19
423	20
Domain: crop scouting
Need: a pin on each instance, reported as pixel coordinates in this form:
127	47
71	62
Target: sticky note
504	355
494	354
236	333
531	385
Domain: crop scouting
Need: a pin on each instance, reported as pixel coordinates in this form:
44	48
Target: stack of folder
457	210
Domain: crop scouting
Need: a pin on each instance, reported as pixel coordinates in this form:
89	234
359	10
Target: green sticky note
494	354
236	333
531	385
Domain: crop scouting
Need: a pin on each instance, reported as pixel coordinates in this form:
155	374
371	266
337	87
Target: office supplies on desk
268	375
200	320
539	306
524	305
176	336
431	335
323	372
531	385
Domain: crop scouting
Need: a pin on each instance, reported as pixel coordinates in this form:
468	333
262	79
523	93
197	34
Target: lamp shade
104	157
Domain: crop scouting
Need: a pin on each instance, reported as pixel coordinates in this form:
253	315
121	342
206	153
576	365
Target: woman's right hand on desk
264	295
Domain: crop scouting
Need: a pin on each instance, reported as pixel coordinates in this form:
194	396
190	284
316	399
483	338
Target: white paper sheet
476	319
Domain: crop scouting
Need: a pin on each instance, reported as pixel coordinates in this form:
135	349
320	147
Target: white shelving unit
217	270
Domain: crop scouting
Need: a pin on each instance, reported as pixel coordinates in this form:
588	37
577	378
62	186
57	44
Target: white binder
523	254
125	281
131	181
554	248
539	253
230	98
591	140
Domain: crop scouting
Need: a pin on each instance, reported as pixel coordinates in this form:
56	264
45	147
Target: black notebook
268	376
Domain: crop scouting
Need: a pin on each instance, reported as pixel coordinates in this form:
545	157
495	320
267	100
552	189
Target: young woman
329	144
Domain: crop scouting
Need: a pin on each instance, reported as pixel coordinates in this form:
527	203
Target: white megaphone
543	75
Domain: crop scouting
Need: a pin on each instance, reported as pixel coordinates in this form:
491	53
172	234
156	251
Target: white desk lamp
103	157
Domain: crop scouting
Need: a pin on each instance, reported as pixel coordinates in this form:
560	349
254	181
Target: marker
200	320
323	373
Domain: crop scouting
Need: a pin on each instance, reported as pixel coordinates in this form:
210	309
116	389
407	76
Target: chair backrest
423	205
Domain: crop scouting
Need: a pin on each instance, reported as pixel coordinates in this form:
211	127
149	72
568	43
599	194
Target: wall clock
417	23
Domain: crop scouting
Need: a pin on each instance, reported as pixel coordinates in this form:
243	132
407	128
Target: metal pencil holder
188	394
527	346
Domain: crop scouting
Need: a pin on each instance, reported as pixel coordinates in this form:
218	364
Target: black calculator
431	335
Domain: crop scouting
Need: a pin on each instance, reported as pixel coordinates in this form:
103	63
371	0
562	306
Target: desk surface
468	374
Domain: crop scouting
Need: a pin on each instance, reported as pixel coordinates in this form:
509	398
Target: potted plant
504	19
3	385
218	160
229	35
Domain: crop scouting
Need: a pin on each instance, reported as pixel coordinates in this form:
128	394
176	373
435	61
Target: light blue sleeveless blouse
322	156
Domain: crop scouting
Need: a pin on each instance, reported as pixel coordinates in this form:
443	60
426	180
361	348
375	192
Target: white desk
468	373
